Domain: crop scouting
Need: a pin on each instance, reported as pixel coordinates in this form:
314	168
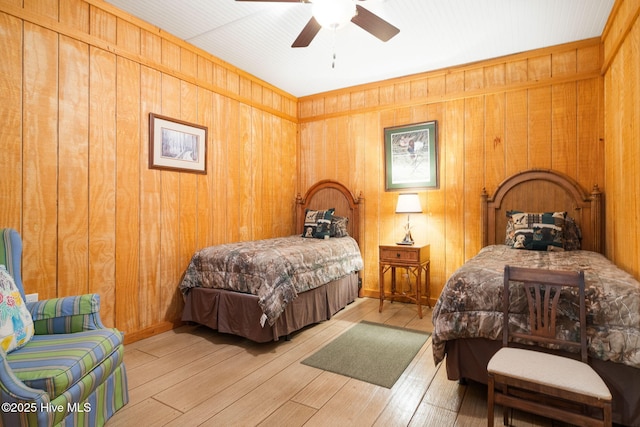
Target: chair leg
505	409
490	400
606	413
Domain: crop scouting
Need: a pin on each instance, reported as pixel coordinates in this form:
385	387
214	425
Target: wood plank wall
539	109
621	38
78	80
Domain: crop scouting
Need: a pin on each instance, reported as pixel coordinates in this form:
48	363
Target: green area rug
371	352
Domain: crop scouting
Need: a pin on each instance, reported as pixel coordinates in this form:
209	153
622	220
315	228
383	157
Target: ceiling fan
334	14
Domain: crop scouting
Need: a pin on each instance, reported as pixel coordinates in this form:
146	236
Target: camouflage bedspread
276	270
471	302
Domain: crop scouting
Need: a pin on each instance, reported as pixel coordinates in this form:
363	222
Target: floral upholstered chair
59	365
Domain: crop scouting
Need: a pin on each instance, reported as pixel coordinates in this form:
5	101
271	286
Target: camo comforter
471	302
276	270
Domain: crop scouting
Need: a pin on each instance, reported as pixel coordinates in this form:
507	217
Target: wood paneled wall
539	109
78	80
621	39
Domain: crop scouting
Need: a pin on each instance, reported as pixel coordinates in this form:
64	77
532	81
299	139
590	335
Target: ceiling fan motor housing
333	14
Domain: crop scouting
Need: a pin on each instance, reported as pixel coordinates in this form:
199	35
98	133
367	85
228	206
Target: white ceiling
434	34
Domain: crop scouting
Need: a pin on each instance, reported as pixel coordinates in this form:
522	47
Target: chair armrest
20	401
66	315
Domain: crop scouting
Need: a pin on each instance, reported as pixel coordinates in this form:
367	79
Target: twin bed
286	292
468	315
266	289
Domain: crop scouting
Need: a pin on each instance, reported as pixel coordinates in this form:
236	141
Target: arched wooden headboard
543	190
331	194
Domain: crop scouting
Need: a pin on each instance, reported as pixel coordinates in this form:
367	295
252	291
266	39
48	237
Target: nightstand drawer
399	254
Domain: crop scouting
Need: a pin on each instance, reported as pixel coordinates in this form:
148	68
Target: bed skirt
239	314
468	358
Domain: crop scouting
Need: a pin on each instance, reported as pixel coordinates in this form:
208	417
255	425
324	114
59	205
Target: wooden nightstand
415	259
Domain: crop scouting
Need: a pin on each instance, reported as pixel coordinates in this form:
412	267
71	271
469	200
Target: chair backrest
542	289
11	255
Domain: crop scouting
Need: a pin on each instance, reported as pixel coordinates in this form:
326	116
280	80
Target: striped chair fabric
72	370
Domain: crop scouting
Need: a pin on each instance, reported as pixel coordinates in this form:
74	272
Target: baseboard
158	328
376	295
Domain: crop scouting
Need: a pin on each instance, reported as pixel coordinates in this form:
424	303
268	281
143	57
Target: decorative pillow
317	223
572	235
535	231
16	324
338	227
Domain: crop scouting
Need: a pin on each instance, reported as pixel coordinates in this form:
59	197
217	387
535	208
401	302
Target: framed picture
411	156
177	145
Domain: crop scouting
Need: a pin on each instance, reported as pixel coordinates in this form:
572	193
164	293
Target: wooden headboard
541	190
328	194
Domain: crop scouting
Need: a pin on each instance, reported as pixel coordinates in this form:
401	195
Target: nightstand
415	259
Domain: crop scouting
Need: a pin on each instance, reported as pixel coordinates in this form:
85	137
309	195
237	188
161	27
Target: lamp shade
408	203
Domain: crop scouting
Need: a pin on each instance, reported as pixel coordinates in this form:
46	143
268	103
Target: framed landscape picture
177	145
411	156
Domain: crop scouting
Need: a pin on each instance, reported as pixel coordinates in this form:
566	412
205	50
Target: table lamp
408	203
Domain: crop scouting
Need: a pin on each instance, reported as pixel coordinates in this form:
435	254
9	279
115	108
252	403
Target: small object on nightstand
415	259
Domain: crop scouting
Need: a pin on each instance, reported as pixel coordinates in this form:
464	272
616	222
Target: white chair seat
556	371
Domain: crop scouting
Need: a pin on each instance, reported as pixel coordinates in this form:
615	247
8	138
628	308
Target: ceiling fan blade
307	34
375	25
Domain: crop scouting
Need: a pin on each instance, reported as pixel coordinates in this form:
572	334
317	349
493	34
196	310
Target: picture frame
177	145
411	156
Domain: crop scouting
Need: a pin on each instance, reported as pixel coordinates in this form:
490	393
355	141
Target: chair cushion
548	369
54	363
16	324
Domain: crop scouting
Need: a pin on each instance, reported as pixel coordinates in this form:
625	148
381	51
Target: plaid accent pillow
317	223
535	231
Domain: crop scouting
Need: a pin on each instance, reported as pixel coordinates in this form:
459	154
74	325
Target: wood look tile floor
194	376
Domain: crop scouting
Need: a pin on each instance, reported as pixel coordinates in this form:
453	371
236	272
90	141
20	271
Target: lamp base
408	239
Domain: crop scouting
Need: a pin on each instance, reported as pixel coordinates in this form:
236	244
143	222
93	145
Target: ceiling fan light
333	14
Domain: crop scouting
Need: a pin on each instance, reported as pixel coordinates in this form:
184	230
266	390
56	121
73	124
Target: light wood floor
195	376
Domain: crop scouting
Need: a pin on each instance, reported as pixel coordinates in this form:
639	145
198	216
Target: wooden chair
535	381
